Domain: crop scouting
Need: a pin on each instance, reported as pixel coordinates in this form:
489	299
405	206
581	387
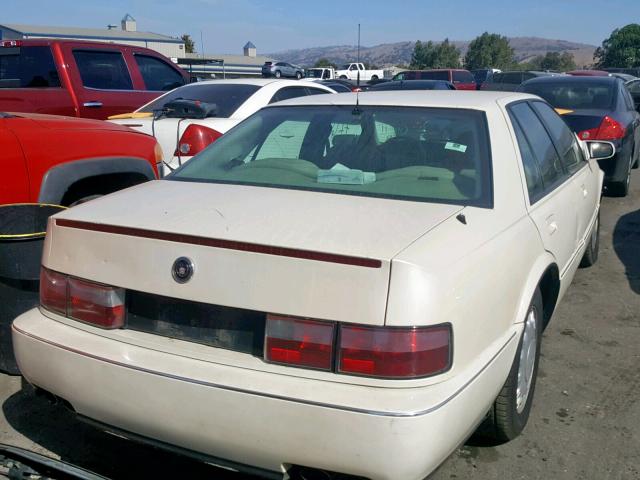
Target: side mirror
600	150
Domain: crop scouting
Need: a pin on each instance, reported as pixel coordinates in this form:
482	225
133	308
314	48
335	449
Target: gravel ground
585	416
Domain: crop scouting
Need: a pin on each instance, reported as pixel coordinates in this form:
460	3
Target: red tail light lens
97	304
394	352
609	129
299	342
94	303
11	43
53	291
195	139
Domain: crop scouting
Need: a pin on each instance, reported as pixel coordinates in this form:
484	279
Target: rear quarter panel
15	186
480	277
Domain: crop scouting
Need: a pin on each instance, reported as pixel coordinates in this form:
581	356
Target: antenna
201	44
358	81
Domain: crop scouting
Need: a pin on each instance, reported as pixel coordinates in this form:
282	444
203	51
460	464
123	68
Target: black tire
590	256
620	188
374	77
298	75
82	200
504	422
343	77
278	74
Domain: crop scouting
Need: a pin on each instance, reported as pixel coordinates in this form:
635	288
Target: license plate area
214	325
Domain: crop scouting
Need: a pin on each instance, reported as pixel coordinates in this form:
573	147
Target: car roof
480	100
258	82
573	80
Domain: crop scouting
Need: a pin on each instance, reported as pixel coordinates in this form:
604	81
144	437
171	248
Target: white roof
479	100
259	82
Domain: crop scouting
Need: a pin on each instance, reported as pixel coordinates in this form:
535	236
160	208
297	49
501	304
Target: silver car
281	69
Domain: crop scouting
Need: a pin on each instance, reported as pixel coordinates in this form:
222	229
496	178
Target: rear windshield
438	75
227	97
421	154
574	96
27	67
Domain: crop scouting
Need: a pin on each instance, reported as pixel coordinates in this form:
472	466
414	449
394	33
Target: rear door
583	181
30	81
103	80
551	196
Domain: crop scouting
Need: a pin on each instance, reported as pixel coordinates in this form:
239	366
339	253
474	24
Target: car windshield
421	154
228	97
574	96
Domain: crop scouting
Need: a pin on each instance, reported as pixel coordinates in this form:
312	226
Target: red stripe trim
218	243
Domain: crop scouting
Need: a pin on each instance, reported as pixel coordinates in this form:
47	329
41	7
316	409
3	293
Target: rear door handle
92	104
585	192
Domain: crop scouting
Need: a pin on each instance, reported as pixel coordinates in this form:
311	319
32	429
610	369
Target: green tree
324	63
489	50
621	49
556	61
189	44
432	55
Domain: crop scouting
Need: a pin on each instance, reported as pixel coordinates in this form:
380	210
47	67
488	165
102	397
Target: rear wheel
374	77
621	188
278	74
343	77
591	253
298	75
510	411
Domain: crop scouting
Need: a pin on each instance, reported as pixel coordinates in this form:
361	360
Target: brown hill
399	53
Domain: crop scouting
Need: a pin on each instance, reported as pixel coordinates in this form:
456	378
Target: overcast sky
278	25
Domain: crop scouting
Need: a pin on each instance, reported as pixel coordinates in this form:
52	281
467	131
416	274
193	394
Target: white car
183	133
344	283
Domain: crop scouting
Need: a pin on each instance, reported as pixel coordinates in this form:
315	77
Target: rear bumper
169	399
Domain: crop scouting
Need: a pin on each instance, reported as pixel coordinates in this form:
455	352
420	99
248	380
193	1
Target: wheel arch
545	275
60	179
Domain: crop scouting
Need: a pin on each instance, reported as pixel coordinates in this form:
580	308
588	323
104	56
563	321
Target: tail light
383	352
609	129
394	352
11	43
299	342
94	303
158	154
195	139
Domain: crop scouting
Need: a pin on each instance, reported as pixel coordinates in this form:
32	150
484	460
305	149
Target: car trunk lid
307	254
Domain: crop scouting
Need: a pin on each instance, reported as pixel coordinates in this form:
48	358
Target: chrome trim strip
379	413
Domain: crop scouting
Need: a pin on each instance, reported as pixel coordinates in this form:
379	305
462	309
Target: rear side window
496	78
287	93
463	77
28	67
541	144
436	75
514	78
104	70
532	175
157	75
562	136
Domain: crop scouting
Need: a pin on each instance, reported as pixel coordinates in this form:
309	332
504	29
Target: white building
128	34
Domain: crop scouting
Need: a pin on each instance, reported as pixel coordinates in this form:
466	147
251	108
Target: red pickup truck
64	161
82	78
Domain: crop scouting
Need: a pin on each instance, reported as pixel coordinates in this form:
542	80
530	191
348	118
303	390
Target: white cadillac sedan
188	119
342	283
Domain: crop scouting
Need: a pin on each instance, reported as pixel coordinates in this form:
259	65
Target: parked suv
510	81
281	69
461	79
82	79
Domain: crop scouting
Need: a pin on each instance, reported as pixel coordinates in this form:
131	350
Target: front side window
562	136
27	67
634	87
104	70
548	161
435	75
421	154
157	74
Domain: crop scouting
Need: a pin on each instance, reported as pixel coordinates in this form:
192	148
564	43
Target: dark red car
81	78
461	79
63	160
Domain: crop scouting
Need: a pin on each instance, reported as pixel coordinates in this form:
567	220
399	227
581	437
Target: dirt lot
584	422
